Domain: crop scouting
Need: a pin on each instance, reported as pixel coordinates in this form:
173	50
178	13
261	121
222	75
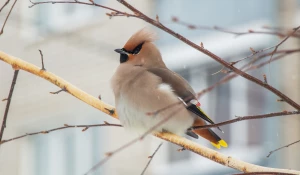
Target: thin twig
281	42
151	157
64	89
265	78
254	52
232	75
271	152
42	58
4	5
250	117
116	12
181	149
221	29
278	29
2	29
85	127
13	83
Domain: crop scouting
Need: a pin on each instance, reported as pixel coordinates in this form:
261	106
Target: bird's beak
121	51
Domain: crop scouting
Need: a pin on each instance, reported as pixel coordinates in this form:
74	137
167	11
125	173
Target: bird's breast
132	116
140	120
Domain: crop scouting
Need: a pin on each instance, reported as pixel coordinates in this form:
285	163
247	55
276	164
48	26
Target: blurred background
78	42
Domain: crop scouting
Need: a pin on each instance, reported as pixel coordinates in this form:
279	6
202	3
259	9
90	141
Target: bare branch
42	58
231	76
271	152
74	91
2	29
13	83
221	29
181	149
64	89
4	5
217	156
287	37
85	127
275	47
250	117
254	52
265	78
115	12
150	158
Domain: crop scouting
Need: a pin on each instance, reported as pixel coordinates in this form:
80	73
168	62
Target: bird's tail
210	135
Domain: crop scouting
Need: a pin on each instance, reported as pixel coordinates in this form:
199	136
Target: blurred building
78	42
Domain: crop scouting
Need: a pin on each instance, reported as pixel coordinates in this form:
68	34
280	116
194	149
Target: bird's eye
123	58
137	49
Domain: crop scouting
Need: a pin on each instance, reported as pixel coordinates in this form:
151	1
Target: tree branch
281	42
244	68
42	58
221	29
250	117
151	158
13	83
96	103
115	12
217	156
271	152
71	89
2	29
4	5
85	127
254	52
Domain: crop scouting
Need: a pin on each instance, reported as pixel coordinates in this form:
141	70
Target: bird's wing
182	89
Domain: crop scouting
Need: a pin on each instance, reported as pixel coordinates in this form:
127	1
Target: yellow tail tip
220	144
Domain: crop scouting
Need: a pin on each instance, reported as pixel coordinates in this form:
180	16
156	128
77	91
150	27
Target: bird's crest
142	36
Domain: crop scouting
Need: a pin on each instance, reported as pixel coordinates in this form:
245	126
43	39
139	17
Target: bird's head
139	50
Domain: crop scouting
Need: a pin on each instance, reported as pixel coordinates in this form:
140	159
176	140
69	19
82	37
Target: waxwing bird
142	83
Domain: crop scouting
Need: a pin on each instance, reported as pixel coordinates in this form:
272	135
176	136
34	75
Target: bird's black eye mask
124	53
